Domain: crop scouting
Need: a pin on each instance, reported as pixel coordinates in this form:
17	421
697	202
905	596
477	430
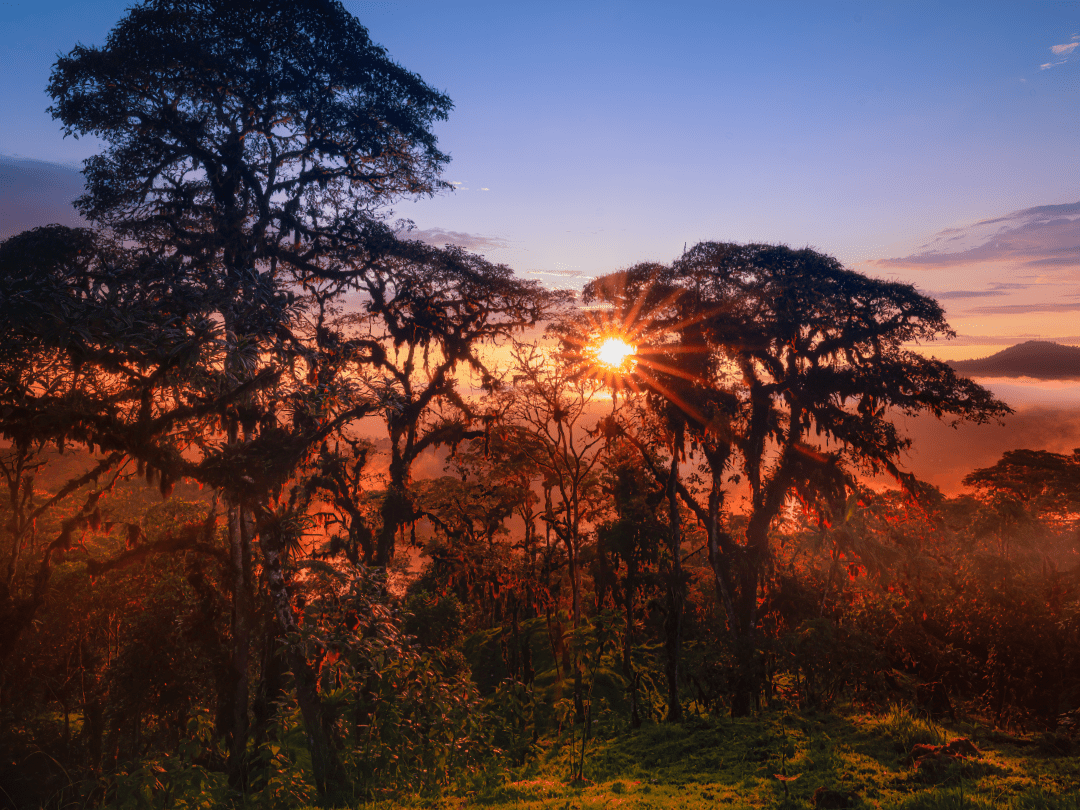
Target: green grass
712	764
907	730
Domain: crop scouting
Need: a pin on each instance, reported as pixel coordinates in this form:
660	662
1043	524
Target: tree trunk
325	763
94	732
628	610
397	507
628	644
396	511
239	530
743	690
748	675
271	686
673	623
570	539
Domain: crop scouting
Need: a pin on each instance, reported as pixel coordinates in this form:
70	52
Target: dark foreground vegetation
640	577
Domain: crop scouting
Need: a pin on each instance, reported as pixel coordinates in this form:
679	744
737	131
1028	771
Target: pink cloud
1046	235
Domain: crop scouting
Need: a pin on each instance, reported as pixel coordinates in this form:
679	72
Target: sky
933	143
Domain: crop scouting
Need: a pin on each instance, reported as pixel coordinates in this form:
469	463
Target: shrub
907	730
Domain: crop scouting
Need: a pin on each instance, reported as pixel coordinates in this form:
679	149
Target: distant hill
1041	359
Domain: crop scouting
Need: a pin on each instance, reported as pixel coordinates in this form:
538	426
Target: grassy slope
731	764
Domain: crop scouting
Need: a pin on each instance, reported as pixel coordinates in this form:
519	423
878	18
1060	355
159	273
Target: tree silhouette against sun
784	370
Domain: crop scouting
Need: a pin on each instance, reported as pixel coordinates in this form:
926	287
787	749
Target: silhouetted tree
560	413
632	537
246	132
426	317
104	351
1025	487
501	572
249	142
788	368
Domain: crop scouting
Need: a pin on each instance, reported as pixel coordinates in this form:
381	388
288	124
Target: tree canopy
247	131
787	370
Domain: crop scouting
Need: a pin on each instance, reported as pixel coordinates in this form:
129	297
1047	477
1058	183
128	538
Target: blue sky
589	136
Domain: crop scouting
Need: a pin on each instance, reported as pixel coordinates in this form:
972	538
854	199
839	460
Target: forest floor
829	760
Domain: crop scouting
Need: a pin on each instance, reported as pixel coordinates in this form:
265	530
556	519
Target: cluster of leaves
408	718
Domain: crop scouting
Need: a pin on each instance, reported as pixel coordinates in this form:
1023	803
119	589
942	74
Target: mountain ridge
1039	359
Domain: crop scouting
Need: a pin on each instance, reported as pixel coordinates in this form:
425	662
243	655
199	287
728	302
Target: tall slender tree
562	413
426	318
247	142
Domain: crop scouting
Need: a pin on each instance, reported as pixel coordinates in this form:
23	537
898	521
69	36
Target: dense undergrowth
847	758
430	702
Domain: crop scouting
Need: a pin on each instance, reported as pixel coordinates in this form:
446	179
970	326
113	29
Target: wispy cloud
1015	265
995	289
470	241
1039	237
950	294
563	273
1023	309
460	186
1064	52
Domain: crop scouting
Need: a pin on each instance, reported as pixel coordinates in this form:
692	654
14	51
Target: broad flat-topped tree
1026	488
786	369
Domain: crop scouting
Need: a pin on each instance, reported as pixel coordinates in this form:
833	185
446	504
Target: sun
615	353
629	337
